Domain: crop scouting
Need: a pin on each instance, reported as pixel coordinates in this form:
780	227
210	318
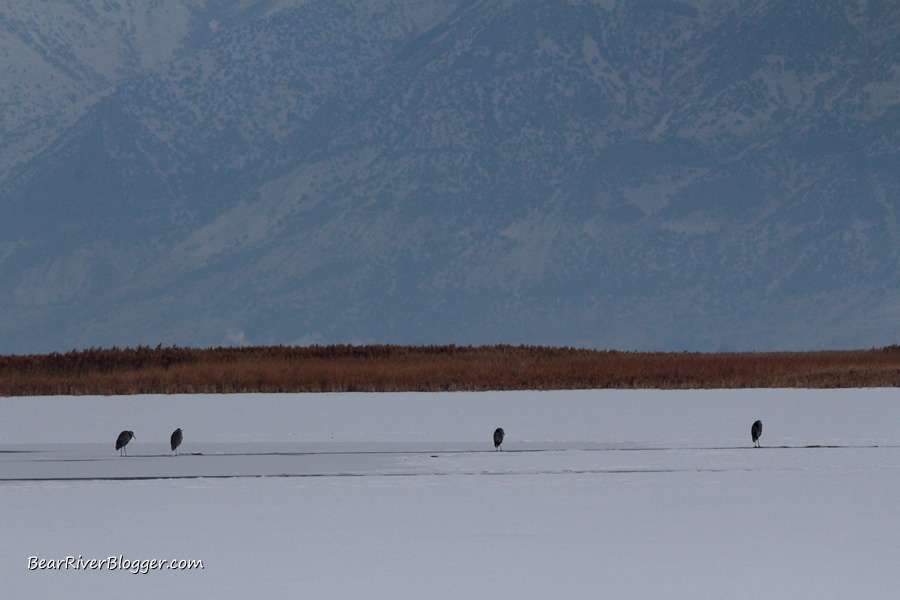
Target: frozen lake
620	494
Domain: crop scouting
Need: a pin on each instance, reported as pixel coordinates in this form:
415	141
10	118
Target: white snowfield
597	494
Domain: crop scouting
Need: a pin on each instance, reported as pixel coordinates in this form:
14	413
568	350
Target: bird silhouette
755	432
499	434
123	440
175	440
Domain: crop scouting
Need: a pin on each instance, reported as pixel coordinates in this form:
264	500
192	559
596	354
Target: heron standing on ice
755	432
175	440
498	438
123	440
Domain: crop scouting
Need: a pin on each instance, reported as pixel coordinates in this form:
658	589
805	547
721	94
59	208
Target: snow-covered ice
599	494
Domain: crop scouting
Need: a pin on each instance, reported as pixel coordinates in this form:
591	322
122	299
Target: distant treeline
385	368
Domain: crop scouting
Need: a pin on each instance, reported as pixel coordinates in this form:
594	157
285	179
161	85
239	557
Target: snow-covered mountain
704	174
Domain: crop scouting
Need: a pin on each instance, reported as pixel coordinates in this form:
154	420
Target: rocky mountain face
697	175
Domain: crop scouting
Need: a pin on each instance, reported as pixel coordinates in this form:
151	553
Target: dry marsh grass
384	368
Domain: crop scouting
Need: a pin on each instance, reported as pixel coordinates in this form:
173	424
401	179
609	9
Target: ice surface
599	494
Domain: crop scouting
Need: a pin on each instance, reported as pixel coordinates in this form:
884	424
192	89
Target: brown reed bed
386	368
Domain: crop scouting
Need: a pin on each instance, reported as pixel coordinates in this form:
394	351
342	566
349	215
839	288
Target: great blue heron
175	440
123	440
498	438
755	432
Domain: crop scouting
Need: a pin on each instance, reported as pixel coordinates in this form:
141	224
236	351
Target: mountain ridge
703	175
